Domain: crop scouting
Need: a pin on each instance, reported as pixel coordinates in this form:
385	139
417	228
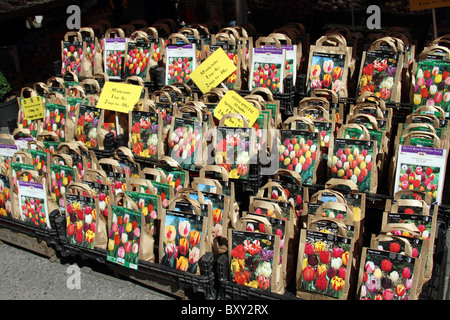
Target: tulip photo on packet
81	217
144	133
252	259
432	84
33	204
5	197
181	240
386	276
327	71
124	237
379	74
324	264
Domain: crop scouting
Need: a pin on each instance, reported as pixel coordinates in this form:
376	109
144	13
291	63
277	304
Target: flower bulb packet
81	220
267	69
220	205
422	169
324	266
33	204
182	240
71	53
165	191
15	169
7	152
297	194
413	247
185	142
124	238
103	193
291	59
146	134
381	74
327	70
137	59
431	83
55	120
87	126
58	181
253	257
40	162
233	81
354	160
180	62
5	197
278	228
387	276
114	57
149	205
299	151
233	151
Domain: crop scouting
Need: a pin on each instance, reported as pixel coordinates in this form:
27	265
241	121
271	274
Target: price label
213	70
32	107
120	97
234	103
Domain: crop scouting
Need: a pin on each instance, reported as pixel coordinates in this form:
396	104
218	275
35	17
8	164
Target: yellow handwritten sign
120	97
213	70
234	103
415	5
33	107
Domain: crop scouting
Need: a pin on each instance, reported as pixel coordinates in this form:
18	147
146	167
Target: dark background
31	55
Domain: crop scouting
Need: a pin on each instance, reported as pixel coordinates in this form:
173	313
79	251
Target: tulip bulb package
422	169
267	69
5	197
124	237
252	256
60	177
431	84
181	240
299	151
33	203
88	123
180	62
354	160
324	266
146	134
185	142
149	205
137	59
81	220
385	275
326	71
71	53
234	151
380	73
55	120
114	56
219	206
7	152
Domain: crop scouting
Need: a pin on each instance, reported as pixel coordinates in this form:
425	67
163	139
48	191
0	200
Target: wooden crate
27	242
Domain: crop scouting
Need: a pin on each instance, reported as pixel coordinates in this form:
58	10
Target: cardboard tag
415	5
120	97
213	71
232	102
32	107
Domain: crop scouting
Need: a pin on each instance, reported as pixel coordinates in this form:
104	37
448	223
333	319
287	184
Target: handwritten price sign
120	97
32	107
213	70
234	103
